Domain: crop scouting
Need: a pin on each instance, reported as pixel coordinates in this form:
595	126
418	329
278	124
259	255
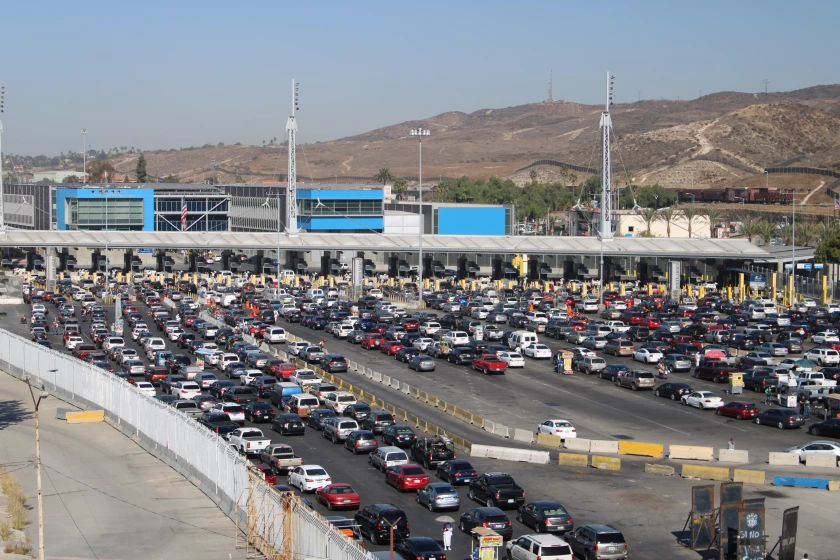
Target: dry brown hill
718	139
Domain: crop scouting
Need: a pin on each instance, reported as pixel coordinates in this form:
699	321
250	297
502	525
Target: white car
423	343
702	399
226	359
246	376
235	411
295	347
175	333
429	328
648	356
205	380
538	351
772	348
457	338
128	354
823	356
479	313
558	427
589	305
672	327
309	478
815	448
135	367
146	388
135	334
185	390
512	359
824	337
72	341
304	377
116	342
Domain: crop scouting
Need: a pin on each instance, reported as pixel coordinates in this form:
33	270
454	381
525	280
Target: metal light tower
2	208
84	156
420	133
605	224
291	192
37	403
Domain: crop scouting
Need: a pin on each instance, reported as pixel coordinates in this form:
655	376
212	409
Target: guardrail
198	454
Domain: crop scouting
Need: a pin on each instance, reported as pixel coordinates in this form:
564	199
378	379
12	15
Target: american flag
183	214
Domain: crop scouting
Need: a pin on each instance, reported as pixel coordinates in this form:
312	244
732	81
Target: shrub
5	529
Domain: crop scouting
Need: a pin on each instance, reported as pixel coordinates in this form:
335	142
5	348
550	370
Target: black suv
597	541
377	421
374	523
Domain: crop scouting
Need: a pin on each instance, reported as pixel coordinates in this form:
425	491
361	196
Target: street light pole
37	402
84	156
601	289
420	133
793	251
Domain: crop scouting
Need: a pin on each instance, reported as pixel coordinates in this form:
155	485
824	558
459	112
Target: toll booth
736	383
489	545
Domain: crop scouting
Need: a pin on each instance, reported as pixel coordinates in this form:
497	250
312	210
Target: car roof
603	529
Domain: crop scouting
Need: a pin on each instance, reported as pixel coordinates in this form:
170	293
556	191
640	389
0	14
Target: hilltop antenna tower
291	192
550	85
2	109
605	224
766	83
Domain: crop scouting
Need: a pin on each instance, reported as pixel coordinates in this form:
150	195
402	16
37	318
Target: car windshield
555	510
316	472
404	431
341	490
233	409
413	471
460	465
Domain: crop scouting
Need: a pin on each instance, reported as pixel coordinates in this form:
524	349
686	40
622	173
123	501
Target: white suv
823	356
457	338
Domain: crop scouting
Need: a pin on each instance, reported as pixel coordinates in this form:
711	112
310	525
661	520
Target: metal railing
198	454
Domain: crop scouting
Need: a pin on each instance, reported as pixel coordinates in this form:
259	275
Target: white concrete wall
401	223
632	224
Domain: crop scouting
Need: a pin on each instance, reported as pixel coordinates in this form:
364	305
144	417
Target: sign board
819	266
702	516
787	546
674	277
751	537
758	281
788	267
490	541
144	251
803	266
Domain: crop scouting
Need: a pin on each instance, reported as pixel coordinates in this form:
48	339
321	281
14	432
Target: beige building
631	224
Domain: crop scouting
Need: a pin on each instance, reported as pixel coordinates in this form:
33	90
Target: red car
738	409
189	320
685	313
684	339
651	322
489	363
336	496
267	473
406	477
284	370
371	341
391	347
411	325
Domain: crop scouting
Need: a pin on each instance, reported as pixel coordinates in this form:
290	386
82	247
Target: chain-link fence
187	446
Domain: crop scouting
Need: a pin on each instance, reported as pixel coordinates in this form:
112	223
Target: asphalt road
649	511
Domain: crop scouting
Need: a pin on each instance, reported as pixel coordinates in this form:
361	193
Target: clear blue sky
172	74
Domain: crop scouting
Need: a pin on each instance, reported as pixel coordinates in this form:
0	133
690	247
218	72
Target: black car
829	428
217	387
259	412
398	435
375	521
405	354
240	395
612	371
462	355
357	411
316	418
456	472
167	399
673	391
780	417
419	548
546	517
377	421
360	441
334	363
490	517
288	425
185	340
759	379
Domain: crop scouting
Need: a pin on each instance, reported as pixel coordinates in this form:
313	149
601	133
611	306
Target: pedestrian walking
806	409
447	536
768	392
731	444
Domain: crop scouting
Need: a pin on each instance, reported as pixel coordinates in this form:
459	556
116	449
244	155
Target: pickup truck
618	326
497	489
431	451
489	363
812	389
219	423
280	457
248	441
817	376
717	372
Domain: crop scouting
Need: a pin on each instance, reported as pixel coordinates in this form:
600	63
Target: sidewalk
104	496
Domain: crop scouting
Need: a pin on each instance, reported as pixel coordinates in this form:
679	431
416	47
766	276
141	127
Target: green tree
715	216
399	187
98	170
564	174
668	215
171	179
238	179
750	227
383	175
768	230
829	250
71	179
690	213
141	169
806	234
533	175
648	215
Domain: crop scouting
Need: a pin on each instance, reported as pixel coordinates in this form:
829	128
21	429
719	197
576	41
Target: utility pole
766	83
550	85
420	133
291	191
37	402
84	155
2	108
605	224
391	534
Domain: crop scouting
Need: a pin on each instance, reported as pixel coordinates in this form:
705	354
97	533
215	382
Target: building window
99	214
308	207
630	229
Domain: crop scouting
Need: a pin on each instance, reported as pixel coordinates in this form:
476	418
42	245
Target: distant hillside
720	138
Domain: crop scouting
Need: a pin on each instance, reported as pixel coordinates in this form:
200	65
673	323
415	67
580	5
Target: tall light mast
605	224
291	192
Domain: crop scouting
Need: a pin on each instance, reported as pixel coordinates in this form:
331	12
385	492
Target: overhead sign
819	266
144	251
803	266
758	281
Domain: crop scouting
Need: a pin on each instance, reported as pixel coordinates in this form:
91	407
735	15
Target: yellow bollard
824	289
650	289
741	287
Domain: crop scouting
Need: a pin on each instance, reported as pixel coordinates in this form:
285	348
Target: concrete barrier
705	473
405	389
606	463
377	377
525	436
549	440
501	430
573	460
820	461
603	446
781	458
386	379
821	483
692	452
748	476
577	444
489	426
661	470
511	454
834	486
395	383
640	448
733	456
85	416
478	421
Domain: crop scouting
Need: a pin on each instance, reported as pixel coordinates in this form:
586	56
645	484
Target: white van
275	334
386	457
375	292
287	276
315	293
343	330
226	300
520	339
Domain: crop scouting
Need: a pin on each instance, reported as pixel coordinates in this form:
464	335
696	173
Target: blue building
99	207
461	219
336	210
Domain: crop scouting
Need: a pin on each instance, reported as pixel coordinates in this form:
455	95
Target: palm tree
667	215
691	212
383	175
768	230
806	234
573	179
648	215
564	174
786	233
714	215
750	227
827	230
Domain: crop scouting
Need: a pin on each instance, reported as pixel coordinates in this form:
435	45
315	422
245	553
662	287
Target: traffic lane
527	397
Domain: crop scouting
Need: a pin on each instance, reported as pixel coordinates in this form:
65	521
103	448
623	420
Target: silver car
773	348
438	495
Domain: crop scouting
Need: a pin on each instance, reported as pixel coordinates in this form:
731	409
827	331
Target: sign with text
787	546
